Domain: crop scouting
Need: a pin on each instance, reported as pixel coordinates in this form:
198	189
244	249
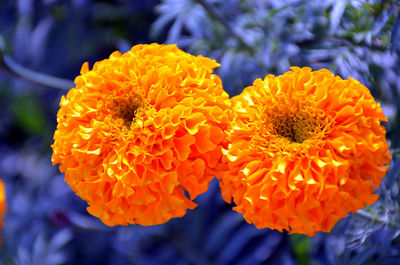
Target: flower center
296	127
127	109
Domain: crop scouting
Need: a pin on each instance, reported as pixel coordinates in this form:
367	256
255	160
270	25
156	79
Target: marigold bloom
139	130
304	149
2	203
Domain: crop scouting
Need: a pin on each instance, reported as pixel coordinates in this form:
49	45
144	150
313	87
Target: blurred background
46	223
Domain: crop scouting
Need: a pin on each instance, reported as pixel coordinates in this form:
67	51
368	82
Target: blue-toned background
47	223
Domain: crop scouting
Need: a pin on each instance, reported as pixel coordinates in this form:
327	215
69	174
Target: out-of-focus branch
80	221
342	40
372	218
221	19
10	65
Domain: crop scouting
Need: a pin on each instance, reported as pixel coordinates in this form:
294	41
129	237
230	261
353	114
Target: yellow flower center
297	126
128	109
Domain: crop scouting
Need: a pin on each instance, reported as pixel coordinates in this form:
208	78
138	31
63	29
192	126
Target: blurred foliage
301	247
28	115
47	224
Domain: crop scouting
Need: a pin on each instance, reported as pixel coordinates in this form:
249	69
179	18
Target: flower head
2	202
139	130
304	149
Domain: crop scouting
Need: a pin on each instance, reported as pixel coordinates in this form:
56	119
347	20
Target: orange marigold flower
304	149
139	130
2	203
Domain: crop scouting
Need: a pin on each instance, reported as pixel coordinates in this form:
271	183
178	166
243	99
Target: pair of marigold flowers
143	133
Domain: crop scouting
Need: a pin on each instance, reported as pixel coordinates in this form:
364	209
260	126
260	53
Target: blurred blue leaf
60	239
25	7
175	30
221	230
395	34
361	257
39	39
382	20
161	23
241	238
337	13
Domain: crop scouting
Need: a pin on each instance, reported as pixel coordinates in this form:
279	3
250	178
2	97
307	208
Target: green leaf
28	115
301	247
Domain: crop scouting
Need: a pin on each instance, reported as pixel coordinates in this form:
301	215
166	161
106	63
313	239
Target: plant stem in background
218	17
375	219
15	68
